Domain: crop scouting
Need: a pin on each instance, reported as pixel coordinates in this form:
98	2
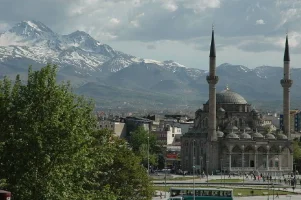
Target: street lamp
243	166
273	190
148	154
221	170
193	168
207	162
165	170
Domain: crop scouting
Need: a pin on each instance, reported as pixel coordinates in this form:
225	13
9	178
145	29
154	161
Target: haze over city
249	33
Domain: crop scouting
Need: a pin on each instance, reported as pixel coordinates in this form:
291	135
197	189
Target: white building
167	134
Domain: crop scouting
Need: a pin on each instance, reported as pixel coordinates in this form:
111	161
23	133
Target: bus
201	194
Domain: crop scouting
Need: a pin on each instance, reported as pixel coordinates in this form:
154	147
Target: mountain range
119	80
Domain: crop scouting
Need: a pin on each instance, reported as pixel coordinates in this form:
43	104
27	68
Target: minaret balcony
212	79
286	83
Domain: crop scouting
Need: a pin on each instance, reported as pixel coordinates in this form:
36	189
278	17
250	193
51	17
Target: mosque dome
229	97
248	128
281	136
232	136
231	128
245	136
270	136
257	135
221	109
219	133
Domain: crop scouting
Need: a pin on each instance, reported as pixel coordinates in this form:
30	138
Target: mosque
227	134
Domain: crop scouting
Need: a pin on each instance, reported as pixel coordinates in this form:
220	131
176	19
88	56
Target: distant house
168	135
118	128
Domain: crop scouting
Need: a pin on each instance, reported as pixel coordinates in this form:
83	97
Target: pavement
281	197
214	177
160	177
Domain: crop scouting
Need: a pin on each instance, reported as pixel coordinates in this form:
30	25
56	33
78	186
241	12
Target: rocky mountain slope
114	78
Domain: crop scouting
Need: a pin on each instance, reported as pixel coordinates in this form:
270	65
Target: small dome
221	109
232	136
248	128
245	135
257	135
231	128
281	136
254	111
220	134
270	136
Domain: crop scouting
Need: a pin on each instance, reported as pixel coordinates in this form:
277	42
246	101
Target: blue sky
248	32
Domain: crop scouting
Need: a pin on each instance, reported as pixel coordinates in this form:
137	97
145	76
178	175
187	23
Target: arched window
276	162
206	122
271	163
240	122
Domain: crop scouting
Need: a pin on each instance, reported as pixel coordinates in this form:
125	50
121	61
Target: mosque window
271	163
276	162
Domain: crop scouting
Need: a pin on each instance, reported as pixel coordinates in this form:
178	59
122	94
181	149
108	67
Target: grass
240	191
225	180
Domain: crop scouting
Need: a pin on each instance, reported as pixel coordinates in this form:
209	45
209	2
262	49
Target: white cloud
200	5
114	21
260	22
170	5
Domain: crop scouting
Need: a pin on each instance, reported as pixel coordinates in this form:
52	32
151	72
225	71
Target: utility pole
221	170
165	170
148	154
193	167
243	171
268	188
207	163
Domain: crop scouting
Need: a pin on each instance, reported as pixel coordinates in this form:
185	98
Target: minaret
212	80
286	83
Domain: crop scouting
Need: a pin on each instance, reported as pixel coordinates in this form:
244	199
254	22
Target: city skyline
250	33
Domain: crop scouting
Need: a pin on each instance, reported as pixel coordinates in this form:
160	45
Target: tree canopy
51	149
143	141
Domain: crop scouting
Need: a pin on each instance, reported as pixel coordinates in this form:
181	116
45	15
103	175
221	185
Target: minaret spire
286	51
286	83
212	80
212	46
212	139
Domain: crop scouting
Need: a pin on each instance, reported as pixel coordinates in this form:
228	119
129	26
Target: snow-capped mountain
34	40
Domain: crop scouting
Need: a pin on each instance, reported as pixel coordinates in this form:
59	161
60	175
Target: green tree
141	142
296	150
50	148
45	132
127	178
